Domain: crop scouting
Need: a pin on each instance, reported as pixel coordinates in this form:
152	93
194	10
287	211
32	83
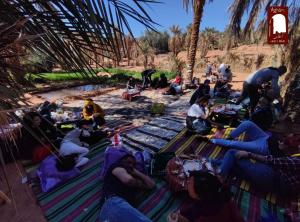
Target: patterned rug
78	199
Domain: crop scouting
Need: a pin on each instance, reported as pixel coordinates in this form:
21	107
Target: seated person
228	74
45	110
268	173
197	116
203	90
162	81
208	70
263	115
257	140
37	136
195	81
71	145
121	183
177	81
175	87
209	200
93	113
131	83
221	89
221	70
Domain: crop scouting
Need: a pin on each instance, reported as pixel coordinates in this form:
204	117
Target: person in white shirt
197	116
221	70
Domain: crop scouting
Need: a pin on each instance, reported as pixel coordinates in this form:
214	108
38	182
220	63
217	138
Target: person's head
88	103
203	101
207	187
206	82
32	119
128	161
131	78
282	69
66	163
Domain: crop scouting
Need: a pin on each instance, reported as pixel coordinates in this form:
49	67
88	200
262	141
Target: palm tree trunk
198	12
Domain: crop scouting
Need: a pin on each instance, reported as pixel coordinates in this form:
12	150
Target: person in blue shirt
255	80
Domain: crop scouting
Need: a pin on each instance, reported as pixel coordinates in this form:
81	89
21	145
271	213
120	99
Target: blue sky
171	12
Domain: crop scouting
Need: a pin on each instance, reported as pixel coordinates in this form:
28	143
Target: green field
119	75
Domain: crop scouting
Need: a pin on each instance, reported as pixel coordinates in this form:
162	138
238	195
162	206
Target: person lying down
72	145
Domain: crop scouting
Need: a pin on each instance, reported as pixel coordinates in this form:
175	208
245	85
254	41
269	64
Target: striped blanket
78	199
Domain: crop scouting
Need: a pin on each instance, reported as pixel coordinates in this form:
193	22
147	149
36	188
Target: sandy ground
24	207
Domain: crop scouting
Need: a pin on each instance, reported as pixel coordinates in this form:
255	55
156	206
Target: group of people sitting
158	83
209	197
40	137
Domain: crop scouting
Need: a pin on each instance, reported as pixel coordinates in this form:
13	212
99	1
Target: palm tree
240	7
188	38
130	43
198	6
176	42
147	53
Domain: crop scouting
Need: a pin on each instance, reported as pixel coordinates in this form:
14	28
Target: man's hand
242	154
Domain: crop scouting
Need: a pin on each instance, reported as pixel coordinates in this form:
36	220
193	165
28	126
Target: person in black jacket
203	90
162	82
146	77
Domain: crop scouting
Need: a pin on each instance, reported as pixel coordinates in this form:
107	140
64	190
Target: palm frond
66	25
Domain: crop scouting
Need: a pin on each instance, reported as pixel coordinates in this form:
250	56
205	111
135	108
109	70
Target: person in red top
175	87
209	201
178	79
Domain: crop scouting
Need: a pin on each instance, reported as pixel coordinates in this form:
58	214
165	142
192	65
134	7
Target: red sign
278	25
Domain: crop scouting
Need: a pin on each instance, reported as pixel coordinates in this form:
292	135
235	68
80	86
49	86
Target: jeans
261	175
257	139
116	209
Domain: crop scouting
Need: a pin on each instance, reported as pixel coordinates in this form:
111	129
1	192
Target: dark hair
126	156
282	70
202	100
28	117
208	187
66	163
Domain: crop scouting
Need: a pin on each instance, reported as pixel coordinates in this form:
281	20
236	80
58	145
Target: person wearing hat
209	201
93	113
202	90
257	79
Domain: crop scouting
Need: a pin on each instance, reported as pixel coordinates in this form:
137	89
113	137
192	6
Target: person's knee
246	123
